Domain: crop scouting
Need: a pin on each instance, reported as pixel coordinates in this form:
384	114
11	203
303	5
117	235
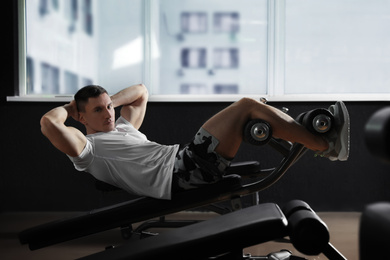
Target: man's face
99	115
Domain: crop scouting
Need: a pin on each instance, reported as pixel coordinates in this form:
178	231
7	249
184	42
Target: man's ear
82	118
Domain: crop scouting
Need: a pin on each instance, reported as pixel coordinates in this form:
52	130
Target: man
117	153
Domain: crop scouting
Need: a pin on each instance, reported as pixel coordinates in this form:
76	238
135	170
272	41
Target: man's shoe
338	137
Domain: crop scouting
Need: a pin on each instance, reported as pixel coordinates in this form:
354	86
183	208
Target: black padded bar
377	134
224	234
308	233
374	231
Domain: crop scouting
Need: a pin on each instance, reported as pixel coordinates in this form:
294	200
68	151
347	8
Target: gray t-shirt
125	158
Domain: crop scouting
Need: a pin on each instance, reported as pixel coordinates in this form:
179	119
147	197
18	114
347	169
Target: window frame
275	61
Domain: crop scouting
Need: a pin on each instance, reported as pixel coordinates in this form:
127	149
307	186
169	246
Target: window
193	22
50	79
55	4
43	7
226	58
336	47
209	48
226	22
86	82
72	14
71	82
30	75
66	39
87	17
226	89
193	58
194	89
204	50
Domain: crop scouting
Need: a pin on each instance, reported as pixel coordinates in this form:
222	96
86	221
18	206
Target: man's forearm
56	116
59	114
131	95
68	140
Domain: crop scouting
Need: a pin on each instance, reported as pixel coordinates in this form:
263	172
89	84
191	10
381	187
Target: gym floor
343	228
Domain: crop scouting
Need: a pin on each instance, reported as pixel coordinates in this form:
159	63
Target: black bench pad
124	214
227	233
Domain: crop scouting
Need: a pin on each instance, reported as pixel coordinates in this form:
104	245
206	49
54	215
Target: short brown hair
85	93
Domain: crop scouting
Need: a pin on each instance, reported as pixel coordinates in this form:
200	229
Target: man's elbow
43	123
144	90
46	124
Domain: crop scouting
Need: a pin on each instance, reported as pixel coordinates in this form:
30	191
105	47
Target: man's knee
247	103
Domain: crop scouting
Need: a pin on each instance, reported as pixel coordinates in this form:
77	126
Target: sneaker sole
344	137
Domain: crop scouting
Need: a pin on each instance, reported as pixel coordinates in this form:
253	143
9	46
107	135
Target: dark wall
36	177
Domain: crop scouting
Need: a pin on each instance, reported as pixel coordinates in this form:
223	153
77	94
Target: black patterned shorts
197	164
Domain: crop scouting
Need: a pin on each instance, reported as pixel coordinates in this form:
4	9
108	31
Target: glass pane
335	46
209	47
77	42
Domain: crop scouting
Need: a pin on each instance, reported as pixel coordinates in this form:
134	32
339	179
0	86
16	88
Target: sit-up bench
130	212
127	213
226	236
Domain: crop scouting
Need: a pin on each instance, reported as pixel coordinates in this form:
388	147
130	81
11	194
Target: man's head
95	109
90	91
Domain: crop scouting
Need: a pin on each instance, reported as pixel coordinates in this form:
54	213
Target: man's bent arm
68	140
133	101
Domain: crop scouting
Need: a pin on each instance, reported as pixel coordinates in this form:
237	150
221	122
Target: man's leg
227	126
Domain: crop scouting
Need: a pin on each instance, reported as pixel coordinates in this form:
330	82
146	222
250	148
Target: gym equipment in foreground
377	134
374	230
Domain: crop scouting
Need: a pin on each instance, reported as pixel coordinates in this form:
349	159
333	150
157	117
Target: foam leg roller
308	233
318	121
294	206
257	132
299	118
